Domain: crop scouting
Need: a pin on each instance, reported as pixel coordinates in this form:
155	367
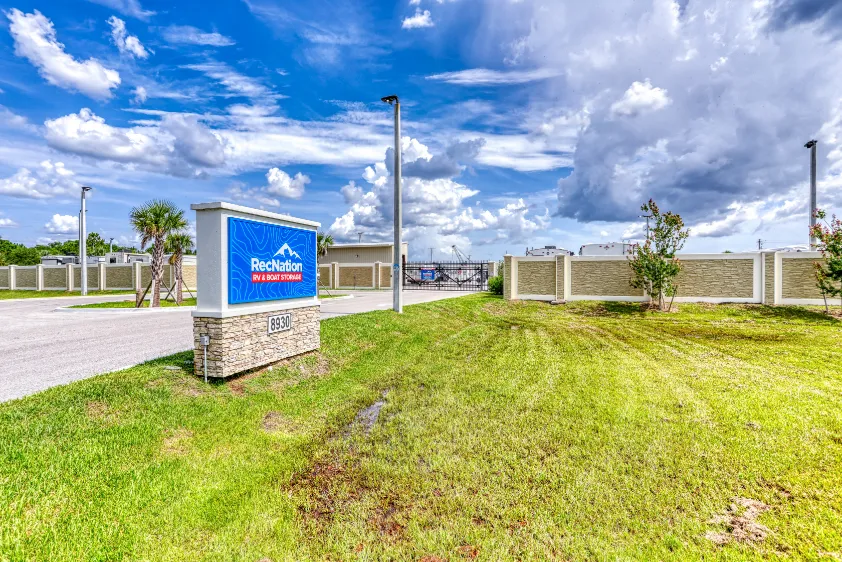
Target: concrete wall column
509	278
12	278
39	277
377	266
568	277
69	282
492	268
136	276
101	274
334	275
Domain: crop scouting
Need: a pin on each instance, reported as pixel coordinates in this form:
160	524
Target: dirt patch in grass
385	521
325	489
276	422
97	410
176	442
740	521
313	365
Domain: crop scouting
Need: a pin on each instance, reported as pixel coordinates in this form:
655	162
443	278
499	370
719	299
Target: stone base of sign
241	343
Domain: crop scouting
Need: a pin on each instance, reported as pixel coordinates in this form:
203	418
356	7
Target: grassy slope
5	295
514	431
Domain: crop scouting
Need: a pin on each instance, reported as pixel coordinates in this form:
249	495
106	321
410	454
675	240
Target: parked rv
607	249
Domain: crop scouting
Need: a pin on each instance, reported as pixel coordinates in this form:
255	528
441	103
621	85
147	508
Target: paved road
41	348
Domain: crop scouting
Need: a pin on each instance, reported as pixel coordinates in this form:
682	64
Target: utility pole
83	239
360	240
431	255
759	244
397	252
812	146
647	217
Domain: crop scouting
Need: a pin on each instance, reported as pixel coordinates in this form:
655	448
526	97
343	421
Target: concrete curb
342	298
125	310
129	297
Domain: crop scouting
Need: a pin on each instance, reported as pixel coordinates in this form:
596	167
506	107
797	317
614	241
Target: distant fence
105	277
375	275
767	277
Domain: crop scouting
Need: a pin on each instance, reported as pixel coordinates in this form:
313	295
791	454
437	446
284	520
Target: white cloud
63	224
420	19
130	8
263	98
47	181
239	192
11	120
6	222
280	183
641	97
435	211
126	44
87	134
179	145
35	39
488	77
189	35
140	95
714	82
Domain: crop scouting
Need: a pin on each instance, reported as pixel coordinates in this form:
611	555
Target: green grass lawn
187	301
508	431
5	295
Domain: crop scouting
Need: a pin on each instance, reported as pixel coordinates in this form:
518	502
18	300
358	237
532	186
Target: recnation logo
289	270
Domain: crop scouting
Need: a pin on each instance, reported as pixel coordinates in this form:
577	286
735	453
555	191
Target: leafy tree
829	273
178	244
95	245
154	221
654	264
323	242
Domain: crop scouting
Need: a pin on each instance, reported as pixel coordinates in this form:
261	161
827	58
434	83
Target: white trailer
607	249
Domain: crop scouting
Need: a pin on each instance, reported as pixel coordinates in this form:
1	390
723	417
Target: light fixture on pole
110	245
83	250
647	217
812	146
397	251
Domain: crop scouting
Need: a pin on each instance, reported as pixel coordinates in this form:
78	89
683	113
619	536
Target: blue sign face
268	262
428	274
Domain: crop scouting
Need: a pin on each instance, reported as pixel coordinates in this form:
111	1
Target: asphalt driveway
41	347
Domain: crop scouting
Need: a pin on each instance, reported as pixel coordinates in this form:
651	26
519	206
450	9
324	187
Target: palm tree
178	244
154	221
323	242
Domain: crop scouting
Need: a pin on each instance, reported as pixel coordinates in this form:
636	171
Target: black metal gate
446	276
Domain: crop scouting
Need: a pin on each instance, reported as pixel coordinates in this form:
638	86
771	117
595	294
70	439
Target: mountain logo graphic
288	252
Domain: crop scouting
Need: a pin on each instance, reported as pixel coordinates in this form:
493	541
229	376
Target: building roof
366	245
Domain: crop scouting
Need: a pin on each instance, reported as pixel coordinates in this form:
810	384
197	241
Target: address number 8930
280	323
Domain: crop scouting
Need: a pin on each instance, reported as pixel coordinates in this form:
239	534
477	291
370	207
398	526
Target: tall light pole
647	217
397	253
83	250
110	245
812	146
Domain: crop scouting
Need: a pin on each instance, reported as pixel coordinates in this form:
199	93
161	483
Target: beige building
360	253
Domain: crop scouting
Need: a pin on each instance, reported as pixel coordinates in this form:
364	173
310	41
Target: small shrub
495	285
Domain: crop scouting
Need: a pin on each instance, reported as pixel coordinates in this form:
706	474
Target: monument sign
257	290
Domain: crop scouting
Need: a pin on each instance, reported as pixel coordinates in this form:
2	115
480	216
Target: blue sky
525	123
